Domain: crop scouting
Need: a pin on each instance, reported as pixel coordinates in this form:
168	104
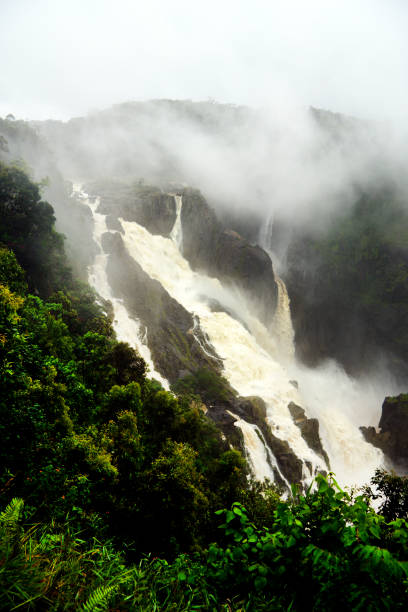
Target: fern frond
98	600
11	515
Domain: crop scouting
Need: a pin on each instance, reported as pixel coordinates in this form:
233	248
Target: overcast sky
63	58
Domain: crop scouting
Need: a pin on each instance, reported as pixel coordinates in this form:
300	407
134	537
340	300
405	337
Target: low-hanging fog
298	163
64	59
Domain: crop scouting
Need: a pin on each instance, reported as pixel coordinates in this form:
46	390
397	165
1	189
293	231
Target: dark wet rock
113	223
310	467
216	306
392	436
294	383
172	331
289	464
253	410
247	222
226	255
225	421
112	244
80	247
146	205
381	440
256	408
157	213
309	428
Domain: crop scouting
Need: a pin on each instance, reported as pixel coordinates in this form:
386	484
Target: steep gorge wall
224	254
348	286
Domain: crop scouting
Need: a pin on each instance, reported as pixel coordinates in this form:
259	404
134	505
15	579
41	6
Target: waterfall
265	233
261	362
340	404
249	367
258	454
127	328
176	233
282	327
257	361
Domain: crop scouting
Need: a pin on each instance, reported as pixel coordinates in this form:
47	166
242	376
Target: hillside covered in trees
113	489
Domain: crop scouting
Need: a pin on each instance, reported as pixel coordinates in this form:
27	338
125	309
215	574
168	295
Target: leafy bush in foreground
323	551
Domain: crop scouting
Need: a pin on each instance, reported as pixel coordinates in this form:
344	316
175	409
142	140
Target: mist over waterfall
257	360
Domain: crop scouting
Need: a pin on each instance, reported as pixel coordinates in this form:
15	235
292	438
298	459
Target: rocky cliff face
225	411
325	326
207	245
348	287
144	204
310	431
179	348
226	255
393	431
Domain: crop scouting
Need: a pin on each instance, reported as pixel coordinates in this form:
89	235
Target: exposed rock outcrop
113	223
253	410
393	435
309	429
144	204
207	246
226	255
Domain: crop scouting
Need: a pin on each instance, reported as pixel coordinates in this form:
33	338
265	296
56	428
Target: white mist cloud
63	58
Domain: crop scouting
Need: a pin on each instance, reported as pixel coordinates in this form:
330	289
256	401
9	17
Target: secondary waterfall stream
257	361
127	328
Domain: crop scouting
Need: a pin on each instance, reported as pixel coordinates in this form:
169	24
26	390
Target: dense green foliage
82	426
322	551
204	383
26	226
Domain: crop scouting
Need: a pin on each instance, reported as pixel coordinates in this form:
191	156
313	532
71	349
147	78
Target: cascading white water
265	233
282	327
127	328
176	233
249	368
258	454
341	404
261	362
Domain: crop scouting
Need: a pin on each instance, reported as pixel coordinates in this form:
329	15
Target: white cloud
63	57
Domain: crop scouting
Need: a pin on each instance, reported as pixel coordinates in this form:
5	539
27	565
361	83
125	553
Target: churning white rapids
257	361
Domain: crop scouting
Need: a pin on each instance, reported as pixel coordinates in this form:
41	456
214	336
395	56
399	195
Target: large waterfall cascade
257	361
254	363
